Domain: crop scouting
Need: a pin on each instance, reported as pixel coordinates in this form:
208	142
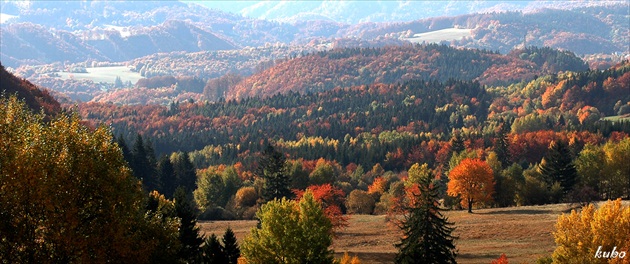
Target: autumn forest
303	139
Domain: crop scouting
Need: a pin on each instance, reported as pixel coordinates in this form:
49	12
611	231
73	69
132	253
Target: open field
618	118
440	35
522	233
104	74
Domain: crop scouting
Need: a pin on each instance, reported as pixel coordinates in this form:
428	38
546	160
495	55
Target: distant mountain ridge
44	32
353	12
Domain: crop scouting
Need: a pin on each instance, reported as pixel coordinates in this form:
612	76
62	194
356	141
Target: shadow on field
374	257
475	256
517	211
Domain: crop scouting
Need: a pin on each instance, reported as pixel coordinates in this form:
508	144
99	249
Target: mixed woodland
309	139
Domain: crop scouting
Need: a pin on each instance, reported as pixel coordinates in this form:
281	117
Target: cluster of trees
72	198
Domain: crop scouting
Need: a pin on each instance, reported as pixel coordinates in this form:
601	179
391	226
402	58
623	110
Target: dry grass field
522	233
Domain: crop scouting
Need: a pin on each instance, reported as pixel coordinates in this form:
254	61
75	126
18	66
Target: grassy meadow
438	36
104	74
522	233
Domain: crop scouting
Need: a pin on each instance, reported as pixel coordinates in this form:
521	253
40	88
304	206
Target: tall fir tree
457	144
230	246
166	176
272	168
189	237
501	143
142	163
557	166
213	251
427	233
185	173
152	180
122	144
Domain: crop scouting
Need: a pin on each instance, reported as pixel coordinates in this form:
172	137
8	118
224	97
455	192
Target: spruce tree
501	144
185	173
166	176
213	251
557	166
189	237
427	233
122	144
230	247
272	168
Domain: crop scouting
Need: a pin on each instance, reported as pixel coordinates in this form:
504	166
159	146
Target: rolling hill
362	66
35	99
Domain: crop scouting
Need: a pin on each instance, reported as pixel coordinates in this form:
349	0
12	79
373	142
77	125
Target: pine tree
213	251
272	168
501	144
166	176
557	166
427	233
122	144
457	144
230	246
185	173
188	231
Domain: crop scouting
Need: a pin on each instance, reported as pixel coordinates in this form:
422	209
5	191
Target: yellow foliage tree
346	259
66	195
473	181
583	236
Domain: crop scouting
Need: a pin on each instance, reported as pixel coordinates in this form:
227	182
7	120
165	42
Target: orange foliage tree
331	199
379	186
501	260
473	181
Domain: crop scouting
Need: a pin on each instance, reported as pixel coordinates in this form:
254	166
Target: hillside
382	123
35	99
353	67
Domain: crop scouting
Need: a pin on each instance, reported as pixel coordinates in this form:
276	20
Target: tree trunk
470	202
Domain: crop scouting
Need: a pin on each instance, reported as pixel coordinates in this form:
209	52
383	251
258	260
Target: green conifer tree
213	251
427	233
188	231
230	247
557	166
272	168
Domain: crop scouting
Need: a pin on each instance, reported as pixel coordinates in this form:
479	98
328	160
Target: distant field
618	118
440	35
4	17
522	233
104	74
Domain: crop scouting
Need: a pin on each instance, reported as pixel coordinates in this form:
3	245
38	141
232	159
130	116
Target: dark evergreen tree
213	252
230	247
557	166
272	168
427	233
122	144
185	173
152	180
166	176
501	143
189	236
457	143
140	164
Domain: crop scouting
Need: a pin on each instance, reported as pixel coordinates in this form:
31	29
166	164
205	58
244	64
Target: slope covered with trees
35	99
362	66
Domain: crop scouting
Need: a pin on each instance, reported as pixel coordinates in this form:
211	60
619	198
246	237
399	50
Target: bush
360	202
246	197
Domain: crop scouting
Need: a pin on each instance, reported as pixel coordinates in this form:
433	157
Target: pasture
523	233
104	74
438	36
